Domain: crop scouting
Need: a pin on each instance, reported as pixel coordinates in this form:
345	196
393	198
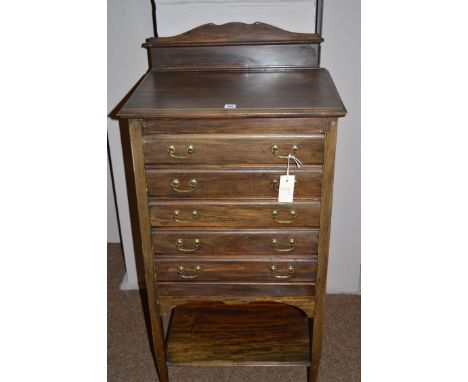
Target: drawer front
236	214
203	270
292	242
289	126
230	183
199	290
231	149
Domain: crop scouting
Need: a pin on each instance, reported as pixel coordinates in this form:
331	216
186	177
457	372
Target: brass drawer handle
275	213
175	183
171	151
275	184
182	272
275	150
180	245
176	216
274	245
286	275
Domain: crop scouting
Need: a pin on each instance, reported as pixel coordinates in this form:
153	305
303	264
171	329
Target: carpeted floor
129	356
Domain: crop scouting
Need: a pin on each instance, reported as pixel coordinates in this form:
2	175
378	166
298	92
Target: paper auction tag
286	189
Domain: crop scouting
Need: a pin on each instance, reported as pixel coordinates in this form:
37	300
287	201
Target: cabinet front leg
316	325
324	242
159	349
157	330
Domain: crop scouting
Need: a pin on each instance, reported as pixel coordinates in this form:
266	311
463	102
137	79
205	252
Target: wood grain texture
145	232
202	291
305	303
225	270
301	93
233	183
240	242
233	33
246	57
285	126
251	334
300	295
324	242
281	99
232	149
236	214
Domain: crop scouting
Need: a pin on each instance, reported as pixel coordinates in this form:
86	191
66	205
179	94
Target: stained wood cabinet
210	128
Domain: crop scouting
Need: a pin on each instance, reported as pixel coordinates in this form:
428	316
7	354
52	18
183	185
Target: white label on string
287	182
286	189
230	106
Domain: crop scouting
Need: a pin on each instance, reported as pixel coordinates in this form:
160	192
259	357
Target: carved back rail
235	46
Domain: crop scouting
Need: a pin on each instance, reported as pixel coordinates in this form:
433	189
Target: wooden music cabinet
210	127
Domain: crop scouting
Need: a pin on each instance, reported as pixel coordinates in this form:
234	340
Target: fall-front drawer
242	214
203	270
219	149
253	183
235	242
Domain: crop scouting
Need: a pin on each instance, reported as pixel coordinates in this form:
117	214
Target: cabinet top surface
205	94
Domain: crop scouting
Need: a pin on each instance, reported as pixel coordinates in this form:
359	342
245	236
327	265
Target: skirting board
126	285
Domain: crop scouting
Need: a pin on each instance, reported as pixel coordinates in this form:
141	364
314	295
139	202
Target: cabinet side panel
324	240
135	128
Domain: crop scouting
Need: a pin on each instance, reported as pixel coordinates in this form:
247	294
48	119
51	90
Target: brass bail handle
175	184
171	150
275	151
275	215
195	215
292	244
184	274
284	275
180	245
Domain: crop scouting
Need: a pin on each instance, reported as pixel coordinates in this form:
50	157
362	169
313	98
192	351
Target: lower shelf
255	334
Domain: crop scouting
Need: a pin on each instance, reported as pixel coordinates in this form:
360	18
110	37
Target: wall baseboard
348	292
126	285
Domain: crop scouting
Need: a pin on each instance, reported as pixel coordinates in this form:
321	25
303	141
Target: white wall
130	23
178	16
341	55
113	235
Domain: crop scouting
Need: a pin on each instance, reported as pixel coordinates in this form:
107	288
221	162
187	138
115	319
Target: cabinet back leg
159	350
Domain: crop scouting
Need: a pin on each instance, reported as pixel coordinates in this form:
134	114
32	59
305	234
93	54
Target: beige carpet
129	356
